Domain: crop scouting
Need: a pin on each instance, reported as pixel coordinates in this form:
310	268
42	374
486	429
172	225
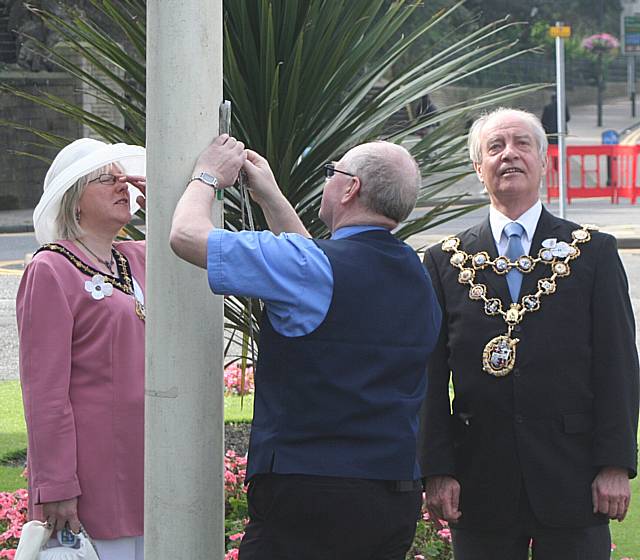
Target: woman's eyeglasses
105	179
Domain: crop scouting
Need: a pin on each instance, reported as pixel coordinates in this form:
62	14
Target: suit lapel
546	227
481	239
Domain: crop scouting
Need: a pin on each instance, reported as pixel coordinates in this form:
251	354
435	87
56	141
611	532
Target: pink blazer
82	375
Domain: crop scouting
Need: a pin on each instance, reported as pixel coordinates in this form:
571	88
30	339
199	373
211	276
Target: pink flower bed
236	514
233	380
13	514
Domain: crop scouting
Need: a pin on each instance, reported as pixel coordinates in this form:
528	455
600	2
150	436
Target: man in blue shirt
348	327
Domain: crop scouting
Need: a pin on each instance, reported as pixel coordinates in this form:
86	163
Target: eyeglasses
105	179
330	170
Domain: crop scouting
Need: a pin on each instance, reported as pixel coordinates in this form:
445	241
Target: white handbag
35	538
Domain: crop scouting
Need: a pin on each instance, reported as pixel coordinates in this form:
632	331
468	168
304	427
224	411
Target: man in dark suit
540	442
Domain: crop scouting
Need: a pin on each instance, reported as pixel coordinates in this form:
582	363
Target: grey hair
67	219
390	178
475	133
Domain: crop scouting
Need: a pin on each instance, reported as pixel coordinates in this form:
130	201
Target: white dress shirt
528	220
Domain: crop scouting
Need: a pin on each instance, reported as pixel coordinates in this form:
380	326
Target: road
14	246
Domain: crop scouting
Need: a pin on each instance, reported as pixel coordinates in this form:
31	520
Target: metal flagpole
184	438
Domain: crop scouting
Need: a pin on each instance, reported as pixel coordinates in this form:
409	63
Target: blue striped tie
514	231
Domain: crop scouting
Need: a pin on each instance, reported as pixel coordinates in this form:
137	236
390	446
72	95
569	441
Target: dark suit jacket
569	407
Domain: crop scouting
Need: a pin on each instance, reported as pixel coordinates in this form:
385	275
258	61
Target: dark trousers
547	543
326	518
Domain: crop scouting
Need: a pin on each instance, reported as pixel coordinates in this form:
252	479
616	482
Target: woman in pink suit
80	310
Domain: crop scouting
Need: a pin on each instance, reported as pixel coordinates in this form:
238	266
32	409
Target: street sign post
610	137
630	32
561	32
631	35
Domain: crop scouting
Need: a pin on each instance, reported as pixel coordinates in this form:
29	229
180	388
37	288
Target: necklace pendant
512	316
525	264
499	355
492	306
561	269
501	265
480	260
547	286
478	291
466	276
450	244
140	311
458	258
581	235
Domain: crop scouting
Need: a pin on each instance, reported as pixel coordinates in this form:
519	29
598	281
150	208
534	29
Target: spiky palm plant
304	80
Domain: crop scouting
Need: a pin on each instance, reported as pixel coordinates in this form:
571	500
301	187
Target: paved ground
8	329
583	129
16	221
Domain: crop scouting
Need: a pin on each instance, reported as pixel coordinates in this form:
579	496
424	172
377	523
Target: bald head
389	175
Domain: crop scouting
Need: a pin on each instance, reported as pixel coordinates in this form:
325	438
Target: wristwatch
207	179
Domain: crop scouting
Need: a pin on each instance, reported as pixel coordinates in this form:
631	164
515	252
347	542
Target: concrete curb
18	228
28	228
628	242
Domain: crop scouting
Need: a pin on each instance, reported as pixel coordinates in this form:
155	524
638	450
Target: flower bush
601	48
432	540
233	380
600	42
236	514
13	514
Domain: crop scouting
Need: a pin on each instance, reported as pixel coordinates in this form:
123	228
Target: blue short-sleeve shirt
289	272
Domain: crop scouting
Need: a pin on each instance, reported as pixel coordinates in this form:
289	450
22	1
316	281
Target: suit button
516	372
517	328
519	418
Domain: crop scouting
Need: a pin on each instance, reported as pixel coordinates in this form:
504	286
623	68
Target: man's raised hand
223	158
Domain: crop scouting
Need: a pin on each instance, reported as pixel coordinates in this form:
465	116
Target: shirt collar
528	220
348	231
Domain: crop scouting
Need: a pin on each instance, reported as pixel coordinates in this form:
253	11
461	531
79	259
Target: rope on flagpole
246	216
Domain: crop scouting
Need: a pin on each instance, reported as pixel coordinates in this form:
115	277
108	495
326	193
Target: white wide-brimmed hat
74	161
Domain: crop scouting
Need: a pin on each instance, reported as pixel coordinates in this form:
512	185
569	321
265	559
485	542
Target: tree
304	79
585	16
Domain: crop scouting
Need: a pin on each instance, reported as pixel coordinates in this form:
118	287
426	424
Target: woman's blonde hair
67	218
